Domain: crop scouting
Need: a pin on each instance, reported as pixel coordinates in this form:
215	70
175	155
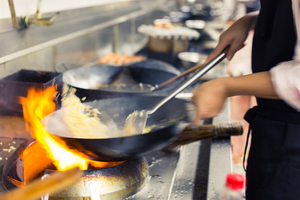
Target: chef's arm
210	96
235	36
251	19
257	84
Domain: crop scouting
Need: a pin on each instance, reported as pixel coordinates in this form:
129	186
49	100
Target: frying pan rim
116	91
155	131
181	120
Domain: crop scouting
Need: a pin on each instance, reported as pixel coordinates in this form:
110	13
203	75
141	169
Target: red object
235	181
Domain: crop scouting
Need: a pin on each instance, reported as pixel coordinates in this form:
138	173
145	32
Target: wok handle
193	69
164	84
198	74
192	134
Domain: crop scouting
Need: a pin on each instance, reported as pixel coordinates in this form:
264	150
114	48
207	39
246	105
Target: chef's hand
234	36
209	98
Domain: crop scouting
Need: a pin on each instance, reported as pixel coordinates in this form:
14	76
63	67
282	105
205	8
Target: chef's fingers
217	50
234	47
201	116
197	117
196	120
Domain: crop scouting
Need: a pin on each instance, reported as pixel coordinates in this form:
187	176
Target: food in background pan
120	59
163	23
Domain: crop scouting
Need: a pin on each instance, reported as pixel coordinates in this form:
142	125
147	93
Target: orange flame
37	105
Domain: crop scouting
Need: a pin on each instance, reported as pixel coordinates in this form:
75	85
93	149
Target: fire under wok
163	127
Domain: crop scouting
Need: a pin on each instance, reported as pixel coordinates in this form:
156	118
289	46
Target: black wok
167	123
109	78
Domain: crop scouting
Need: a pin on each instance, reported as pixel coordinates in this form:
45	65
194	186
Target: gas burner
110	183
115	182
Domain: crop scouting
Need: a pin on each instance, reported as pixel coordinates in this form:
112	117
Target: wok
101	82
166	125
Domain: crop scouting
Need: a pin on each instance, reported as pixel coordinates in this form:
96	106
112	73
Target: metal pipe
13	13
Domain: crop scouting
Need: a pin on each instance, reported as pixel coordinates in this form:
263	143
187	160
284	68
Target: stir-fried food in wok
82	120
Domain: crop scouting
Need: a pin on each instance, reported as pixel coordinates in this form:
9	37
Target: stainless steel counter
195	171
220	163
220	159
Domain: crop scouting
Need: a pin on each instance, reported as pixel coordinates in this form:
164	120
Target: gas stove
159	171
118	180
194	171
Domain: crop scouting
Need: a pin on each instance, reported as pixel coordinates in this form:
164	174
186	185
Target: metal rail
76	34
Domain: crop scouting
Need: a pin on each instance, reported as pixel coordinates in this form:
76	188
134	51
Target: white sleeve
286	75
286	82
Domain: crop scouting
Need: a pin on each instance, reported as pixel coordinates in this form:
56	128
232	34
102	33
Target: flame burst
37	105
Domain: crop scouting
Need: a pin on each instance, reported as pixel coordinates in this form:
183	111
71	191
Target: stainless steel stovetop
195	171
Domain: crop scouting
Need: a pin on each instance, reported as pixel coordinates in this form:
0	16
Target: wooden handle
179	76
193	69
55	182
192	134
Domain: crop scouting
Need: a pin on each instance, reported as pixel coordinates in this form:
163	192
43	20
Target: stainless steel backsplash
79	36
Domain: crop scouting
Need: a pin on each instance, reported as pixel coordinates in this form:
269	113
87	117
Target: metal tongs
136	121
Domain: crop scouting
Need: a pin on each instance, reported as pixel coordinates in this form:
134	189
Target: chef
273	169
